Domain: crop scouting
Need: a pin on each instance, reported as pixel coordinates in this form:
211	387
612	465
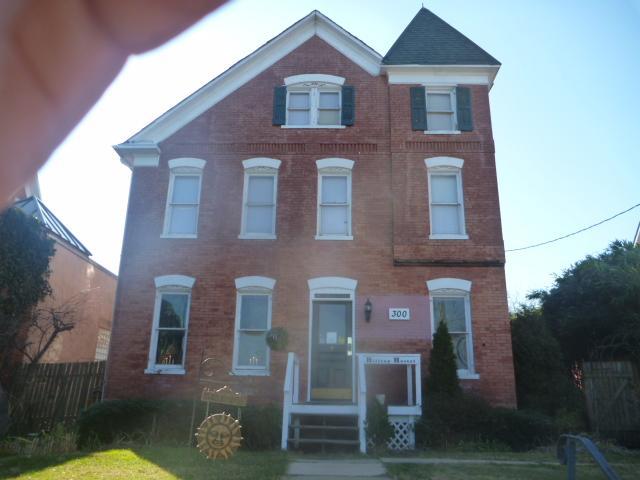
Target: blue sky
565	109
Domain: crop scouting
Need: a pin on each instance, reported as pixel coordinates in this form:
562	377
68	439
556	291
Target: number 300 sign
399	314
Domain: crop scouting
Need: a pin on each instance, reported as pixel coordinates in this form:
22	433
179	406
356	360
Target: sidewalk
336	469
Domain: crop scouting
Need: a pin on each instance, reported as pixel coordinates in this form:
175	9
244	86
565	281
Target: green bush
543	382
379	430
169	421
261	427
443	372
451	420
105	422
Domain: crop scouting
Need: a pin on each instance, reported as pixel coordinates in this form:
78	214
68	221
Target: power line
576	232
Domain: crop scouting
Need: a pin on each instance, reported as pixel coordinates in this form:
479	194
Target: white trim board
314	24
437	75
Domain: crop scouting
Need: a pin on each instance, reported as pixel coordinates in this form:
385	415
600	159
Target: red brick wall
90	290
239	127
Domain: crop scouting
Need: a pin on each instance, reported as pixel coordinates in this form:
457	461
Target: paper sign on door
332	338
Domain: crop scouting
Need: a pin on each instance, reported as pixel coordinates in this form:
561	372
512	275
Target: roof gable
429	40
249	67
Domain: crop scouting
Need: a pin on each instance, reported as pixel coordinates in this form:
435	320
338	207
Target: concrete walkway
461	461
337	469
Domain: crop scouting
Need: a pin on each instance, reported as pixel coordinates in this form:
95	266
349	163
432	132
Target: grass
168	463
500	472
157	463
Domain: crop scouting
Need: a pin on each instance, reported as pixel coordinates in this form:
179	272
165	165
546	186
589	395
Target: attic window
314	101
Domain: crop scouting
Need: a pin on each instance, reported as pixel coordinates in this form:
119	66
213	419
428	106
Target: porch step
319	432
325	441
324	427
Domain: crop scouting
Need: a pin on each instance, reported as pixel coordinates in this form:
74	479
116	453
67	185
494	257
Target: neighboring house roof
429	40
33	206
314	24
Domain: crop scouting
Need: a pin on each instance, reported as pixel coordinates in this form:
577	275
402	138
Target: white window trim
313	78
265	167
340	286
451	90
184	166
313	83
335	167
455	288
446	166
180	284
252	285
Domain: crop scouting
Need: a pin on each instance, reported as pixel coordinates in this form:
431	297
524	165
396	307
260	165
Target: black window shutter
348	105
279	105
418	109
463	104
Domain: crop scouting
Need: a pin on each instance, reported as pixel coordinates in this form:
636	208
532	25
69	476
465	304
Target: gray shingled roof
429	40
34	207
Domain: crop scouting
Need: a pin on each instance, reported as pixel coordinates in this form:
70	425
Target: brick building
82	290
318	186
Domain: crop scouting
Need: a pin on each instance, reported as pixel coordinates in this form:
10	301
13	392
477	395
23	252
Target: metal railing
566	452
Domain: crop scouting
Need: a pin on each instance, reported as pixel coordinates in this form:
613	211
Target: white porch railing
413	409
291	394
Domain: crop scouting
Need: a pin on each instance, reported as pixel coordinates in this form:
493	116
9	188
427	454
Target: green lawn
157	463
502	472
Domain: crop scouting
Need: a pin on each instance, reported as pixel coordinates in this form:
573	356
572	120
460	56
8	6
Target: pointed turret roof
429	40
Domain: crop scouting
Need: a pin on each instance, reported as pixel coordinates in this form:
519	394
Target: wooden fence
46	394
613	396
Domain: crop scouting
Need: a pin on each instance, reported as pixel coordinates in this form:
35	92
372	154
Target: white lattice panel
404	438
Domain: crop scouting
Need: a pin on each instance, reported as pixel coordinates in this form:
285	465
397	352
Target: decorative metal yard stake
219	435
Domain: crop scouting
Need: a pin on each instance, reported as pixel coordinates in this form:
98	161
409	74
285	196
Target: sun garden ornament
277	339
219	435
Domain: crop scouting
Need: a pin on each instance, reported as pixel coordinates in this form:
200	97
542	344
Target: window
314	101
102	345
334	199
446	206
183	198
170	324
259	198
253	321
450	303
441	111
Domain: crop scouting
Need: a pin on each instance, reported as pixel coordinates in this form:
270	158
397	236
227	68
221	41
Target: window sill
334	237
164	371
313	126
257	237
465	375
442	132
448	236
255	373
168	235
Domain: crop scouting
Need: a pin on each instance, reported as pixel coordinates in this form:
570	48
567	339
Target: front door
331	351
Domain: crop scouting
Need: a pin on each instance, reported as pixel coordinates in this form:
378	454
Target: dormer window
314	101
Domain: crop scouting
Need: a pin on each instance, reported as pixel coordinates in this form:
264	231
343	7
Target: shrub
543	382
105	422
443	374
379	430
261	427
448	421
169	421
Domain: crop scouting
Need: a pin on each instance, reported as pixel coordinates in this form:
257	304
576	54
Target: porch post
409	386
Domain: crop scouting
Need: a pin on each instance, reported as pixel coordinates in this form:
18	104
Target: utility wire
574	233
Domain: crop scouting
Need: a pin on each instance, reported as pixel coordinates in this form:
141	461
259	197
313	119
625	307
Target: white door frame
328	286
